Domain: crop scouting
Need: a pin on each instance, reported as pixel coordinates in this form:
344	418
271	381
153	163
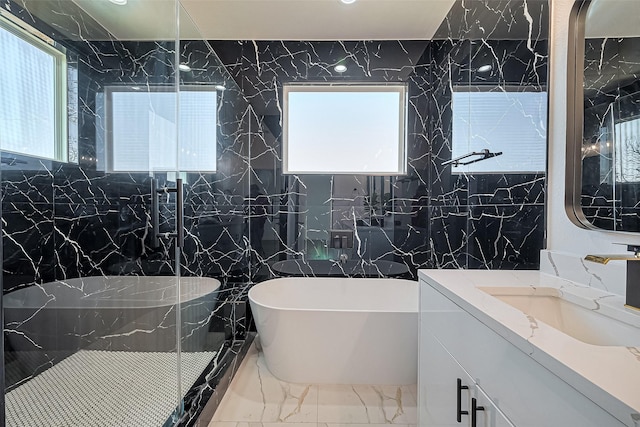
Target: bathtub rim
332	310
379	269
11	300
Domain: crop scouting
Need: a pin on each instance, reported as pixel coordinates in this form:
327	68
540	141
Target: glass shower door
209	213
91	302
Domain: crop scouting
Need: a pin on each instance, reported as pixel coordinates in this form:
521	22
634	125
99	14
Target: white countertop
608	375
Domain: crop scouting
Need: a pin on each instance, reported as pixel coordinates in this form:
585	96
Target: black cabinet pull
460	412
474	409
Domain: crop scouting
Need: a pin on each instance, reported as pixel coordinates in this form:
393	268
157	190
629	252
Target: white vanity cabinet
447	398
514	389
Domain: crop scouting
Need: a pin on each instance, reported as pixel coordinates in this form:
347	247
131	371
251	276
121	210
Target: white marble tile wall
610	277
258	399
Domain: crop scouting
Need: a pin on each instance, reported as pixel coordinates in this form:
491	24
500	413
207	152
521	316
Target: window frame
49	46
398	87
108	115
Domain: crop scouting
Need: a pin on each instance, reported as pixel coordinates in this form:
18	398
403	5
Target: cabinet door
440	399
446	392
530	394
489	415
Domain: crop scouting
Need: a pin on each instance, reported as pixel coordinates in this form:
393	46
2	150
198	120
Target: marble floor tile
255	395
257	424
256	398
361	425
413	389
366	404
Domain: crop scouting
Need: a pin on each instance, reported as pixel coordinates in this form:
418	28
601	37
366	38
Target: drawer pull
474	409
460	412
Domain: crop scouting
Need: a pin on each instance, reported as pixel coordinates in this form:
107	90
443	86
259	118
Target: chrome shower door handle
179	213
155	212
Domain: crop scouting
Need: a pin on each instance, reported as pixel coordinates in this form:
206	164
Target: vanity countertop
608	375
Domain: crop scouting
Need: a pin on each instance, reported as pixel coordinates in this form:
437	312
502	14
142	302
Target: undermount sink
574	317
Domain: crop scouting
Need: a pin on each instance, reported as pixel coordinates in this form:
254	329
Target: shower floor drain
105	388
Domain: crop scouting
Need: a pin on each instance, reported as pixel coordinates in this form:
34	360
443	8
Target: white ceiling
271	19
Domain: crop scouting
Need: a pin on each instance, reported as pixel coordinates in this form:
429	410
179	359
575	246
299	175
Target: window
627	147
33	95
510	122
142	129
344	129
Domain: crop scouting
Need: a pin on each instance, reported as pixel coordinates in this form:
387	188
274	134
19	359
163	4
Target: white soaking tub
125	313
338	330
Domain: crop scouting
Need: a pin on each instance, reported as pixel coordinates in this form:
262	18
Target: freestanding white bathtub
338	330
131	313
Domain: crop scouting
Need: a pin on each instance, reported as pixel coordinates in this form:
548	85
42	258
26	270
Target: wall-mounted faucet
633	272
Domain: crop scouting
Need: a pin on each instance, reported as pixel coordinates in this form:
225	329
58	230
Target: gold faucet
633	272
603	259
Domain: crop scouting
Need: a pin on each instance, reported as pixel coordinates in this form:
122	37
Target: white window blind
627	150
143	131
32	98
514	123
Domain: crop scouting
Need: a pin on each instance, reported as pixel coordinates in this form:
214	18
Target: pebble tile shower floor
257	399
104	388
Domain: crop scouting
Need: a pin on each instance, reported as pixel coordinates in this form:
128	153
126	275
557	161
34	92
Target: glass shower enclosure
117	252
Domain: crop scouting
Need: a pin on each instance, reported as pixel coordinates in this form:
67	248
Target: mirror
604	141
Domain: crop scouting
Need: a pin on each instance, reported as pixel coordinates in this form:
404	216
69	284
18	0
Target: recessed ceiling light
347	1
340	68
220	87
184	67
484	68
119	2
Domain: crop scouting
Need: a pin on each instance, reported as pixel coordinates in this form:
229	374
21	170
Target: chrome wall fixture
484	154
155	213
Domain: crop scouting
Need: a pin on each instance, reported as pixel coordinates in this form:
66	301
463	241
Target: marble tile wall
433	218
62	221
67	220
610	95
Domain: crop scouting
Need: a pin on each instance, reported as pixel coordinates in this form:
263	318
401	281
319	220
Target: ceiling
317	19
271	19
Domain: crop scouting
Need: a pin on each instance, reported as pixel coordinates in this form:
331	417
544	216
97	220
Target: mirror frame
575	116
575	119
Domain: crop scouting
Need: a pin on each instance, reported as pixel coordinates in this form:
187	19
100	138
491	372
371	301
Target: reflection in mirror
610	148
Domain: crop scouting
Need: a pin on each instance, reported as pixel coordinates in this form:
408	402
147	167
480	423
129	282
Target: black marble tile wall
433	217
67	220
611	95
63	221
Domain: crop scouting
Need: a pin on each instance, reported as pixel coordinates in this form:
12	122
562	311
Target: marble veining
432	217
610	277
256	396
62	221
574	361
77	219
610	98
